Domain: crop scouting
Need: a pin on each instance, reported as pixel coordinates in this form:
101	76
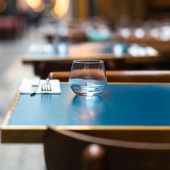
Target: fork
46	86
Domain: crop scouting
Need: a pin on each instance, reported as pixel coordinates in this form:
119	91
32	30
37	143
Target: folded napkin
26	86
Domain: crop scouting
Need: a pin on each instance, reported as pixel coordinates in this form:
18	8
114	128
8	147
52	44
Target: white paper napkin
26	86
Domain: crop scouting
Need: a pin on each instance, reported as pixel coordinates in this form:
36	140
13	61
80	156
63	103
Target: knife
35	85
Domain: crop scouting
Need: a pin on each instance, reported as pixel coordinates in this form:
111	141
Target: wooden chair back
124	76
71	150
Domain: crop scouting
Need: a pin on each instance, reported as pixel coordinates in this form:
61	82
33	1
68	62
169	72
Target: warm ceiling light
62	2
34	3
40	8
3	5
60	8
53	14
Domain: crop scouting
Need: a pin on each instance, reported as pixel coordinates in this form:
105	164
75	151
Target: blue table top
119	104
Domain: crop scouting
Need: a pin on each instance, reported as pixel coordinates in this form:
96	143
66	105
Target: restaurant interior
99	74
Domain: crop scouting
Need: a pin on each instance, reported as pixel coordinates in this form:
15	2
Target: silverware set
46	86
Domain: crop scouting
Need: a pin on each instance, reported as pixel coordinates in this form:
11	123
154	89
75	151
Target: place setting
38	86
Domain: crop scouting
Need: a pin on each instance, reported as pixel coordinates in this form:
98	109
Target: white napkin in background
26	86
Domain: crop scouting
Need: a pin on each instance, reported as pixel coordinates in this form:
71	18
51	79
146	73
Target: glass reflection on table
82	112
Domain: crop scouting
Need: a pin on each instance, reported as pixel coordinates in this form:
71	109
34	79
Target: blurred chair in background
124	76
12	27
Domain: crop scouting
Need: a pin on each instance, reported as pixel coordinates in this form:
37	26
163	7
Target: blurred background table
151	32
117	56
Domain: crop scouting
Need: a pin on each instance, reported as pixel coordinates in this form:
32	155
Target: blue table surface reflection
119	104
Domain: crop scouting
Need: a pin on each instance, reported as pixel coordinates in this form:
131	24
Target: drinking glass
87	77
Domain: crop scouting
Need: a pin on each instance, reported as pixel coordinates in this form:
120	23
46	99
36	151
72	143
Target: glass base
87	90
87	94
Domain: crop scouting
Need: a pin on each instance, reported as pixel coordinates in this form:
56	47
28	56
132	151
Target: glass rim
88	61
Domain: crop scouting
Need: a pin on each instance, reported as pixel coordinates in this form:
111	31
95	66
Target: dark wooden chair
124	76
71	150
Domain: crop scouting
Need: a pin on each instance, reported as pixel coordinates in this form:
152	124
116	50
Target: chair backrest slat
124	76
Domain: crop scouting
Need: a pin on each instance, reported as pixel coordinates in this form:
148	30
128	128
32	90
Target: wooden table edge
26	59
35	133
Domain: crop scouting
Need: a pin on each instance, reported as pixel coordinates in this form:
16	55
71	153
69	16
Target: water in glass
88	77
